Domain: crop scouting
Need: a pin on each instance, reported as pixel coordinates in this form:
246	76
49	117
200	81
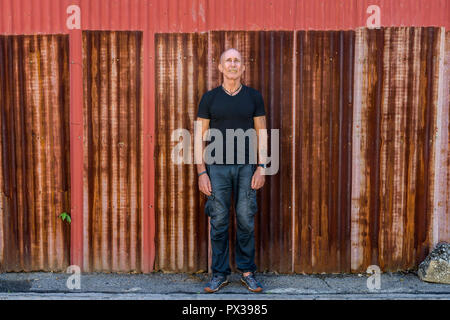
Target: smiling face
231	64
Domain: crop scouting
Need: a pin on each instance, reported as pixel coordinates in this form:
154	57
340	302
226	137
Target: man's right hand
204	184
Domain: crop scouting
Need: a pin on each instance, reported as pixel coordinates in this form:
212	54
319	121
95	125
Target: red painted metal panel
148	247
405	13
49	16
76	147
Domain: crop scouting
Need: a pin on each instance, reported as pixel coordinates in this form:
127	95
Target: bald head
231	64
231	51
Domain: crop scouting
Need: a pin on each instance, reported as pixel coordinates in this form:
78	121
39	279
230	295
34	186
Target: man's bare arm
204	183
258	179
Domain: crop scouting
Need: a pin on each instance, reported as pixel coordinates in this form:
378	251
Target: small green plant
65	217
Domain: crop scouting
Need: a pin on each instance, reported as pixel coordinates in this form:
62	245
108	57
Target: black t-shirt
232	112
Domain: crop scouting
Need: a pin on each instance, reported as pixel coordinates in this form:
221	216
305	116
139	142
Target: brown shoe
217	282
251	283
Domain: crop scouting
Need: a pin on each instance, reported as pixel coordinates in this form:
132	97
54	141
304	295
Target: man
238	107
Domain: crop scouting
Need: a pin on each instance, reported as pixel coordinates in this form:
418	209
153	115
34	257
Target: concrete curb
160	286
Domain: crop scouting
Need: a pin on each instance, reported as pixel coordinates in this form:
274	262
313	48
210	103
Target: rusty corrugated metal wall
442	203
394	146
113	146
322	162
305	249
269	61
182	237
34	156
334	206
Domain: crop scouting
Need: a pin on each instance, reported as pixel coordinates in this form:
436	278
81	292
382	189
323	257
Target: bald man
232	107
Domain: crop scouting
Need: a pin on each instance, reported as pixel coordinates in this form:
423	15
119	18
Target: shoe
251	283
217	282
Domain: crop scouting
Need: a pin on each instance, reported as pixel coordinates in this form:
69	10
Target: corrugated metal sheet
441	206
316	217
394	145
322	162
442	166
269	62
49	16
155	16
112	77
34	173
181	80
181	227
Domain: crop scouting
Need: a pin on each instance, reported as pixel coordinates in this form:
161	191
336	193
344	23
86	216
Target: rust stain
357	120
35	175
398	107
443	193
113	150
323	121
181	226
387	220
268	58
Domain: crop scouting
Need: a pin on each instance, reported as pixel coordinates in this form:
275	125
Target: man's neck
231	85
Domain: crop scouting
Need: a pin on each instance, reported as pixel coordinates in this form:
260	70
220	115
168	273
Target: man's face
231	65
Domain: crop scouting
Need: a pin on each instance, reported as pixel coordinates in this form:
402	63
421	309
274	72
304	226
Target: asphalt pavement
164	286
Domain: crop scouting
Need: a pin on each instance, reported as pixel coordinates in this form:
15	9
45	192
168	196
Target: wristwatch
262	165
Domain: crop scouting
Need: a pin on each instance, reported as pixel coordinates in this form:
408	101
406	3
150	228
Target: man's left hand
258	179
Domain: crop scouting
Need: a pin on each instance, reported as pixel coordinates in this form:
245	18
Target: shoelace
216	279
250	278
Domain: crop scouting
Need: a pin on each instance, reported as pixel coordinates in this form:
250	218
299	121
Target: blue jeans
226	179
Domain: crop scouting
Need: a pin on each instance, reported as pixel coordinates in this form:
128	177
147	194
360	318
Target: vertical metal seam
340	151
76	163
148	182
208	87
351	82
376	233
409	119
356	148
428	120
438	177
2	204
301	119
293	207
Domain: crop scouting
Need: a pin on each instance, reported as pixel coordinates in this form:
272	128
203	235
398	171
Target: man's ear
220	67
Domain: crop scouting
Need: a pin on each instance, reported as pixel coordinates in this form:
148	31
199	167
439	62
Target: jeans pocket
252	202
209	206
